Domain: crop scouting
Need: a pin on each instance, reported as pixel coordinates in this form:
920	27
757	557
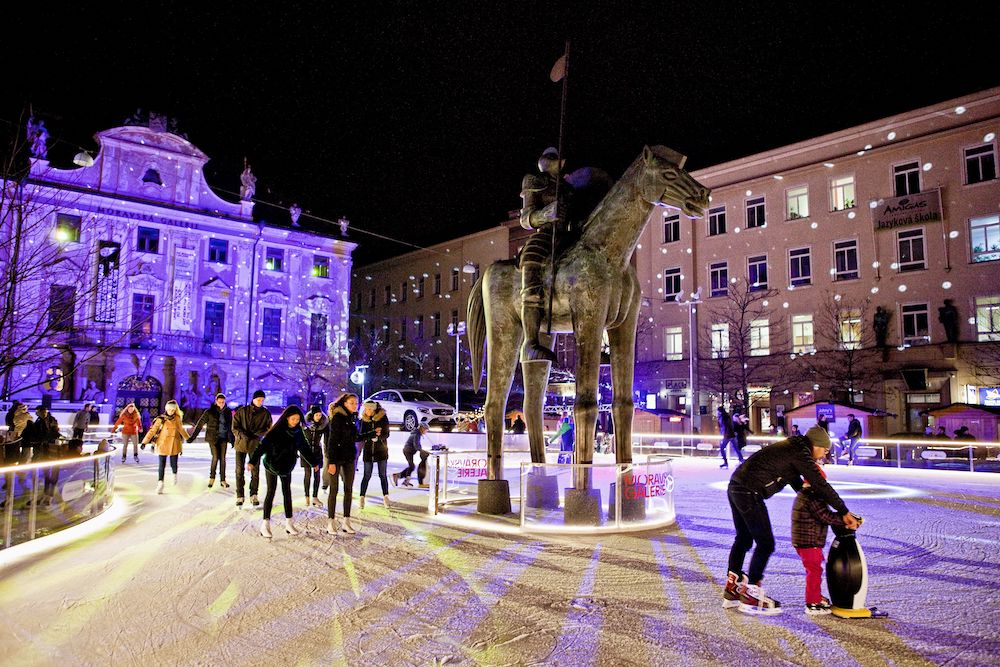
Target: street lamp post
457	333
694	407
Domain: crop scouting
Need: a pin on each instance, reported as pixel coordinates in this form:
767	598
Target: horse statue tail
476	330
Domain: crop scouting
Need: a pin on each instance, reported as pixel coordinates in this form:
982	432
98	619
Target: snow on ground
185	579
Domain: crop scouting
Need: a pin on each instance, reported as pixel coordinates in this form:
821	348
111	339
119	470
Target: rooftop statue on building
38	138
248	183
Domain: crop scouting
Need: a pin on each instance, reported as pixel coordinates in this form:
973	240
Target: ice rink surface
185	579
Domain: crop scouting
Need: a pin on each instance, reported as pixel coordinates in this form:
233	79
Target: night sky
418	124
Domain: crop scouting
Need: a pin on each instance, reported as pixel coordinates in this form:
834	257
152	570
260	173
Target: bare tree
417	354
983	358
369	346
59	292
846	362
746	344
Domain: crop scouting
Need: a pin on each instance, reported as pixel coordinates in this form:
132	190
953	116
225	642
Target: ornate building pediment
274	298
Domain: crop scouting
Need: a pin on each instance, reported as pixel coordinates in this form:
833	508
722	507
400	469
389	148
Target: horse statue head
664	182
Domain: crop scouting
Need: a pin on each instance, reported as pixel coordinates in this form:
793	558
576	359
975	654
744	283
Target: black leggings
163	465
753	524
381	475
272	486
218	459
313	476
345	471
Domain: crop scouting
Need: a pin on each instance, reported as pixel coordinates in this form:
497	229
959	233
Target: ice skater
728	433
758	478
317	428
410	449
130	423
341	456
169	433
249	423
280	448
218	423
374	448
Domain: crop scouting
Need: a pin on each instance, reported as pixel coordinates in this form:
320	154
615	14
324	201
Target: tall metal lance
559	71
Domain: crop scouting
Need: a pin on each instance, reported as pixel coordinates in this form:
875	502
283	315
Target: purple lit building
147	285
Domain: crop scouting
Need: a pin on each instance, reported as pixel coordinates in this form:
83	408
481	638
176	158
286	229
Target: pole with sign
457	333
358	377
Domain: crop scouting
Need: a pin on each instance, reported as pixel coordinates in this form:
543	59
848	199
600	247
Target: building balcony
110	338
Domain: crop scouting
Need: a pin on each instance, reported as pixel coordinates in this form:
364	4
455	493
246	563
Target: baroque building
154	287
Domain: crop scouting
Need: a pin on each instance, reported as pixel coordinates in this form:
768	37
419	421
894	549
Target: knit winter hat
220	395
259	394
369	404
818	437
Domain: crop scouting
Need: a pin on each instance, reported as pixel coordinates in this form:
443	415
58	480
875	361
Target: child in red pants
810	518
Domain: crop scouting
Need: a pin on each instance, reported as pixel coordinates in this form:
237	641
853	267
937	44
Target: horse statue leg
535	374
622	340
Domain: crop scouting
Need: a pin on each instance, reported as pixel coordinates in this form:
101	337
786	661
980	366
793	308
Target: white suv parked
408	407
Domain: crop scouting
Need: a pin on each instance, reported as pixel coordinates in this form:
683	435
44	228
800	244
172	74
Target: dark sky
417	120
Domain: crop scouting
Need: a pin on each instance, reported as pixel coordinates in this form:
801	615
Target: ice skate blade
840	612
754	610
730	604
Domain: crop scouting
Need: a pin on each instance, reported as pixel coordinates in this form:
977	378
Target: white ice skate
346	526
361	503
331	526
175	479
754	600
385	501
290	527
265	528
159	486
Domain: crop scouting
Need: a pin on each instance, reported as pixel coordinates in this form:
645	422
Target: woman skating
130	423
169	433
341	456
317	428
374	448
280	448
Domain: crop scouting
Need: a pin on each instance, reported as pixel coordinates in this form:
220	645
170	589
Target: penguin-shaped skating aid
847	576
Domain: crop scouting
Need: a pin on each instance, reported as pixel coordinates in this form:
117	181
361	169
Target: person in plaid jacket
811	517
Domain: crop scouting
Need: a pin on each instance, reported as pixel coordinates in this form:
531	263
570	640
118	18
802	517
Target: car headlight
424	410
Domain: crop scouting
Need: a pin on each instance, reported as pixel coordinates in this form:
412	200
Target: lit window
760	338
673	344
980	164
802	334
274	259
988	318
984	238
916	329
797	202
717	221
757	273
845	256
799	267
842	193
67	228
720	341
671	284
755	212
719	278
911	250
850	329
321	266
671	227
906	178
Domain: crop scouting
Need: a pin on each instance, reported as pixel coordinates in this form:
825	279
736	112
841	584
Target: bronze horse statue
596	289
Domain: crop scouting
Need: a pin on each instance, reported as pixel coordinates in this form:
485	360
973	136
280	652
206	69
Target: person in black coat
341	457
741	427
762	475
410	449
218	423
280	448
374	448
317	428
728	434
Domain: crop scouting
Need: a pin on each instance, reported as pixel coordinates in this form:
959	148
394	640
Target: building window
755	212
984	237
215	321
270	335
455	277
980	164
403	289
420	287
62	305
842	193
911	250
454	321
760	338
387	296
218	250
673	344
671	284
671	227
437	283
906	178
371	298
274	259
720	341
802	334
142	318
797	203
717	221
916	330
321	266
68	228
317	332
419	333
845	260
436	324
988	318
850	329
147	240
799	267
152	176
757	273
718	273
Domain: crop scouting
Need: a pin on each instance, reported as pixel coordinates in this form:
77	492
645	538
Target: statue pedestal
583	507
633	502
541	491
493	496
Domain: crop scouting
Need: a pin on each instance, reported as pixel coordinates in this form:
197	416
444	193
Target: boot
290	527
254	501
175	479
331	526
224	484
159	486
265	528
531	316
395	479
346	526
317	502
754	600
211	482
385	501
735	583
361	503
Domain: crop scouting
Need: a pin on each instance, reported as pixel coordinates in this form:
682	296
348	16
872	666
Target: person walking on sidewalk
760	477
374	448
280	448
317	429
341	456
218	423
250	423
169	433
411	447
130	423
